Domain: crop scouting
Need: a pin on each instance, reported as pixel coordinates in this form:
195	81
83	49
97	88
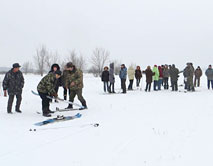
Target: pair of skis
59	99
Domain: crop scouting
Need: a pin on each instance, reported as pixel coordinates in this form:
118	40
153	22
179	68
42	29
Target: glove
55	95
5	93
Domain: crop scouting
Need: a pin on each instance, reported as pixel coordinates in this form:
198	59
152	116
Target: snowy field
161	128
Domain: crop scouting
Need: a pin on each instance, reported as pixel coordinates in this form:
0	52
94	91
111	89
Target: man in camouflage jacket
46	87
13	83
74	82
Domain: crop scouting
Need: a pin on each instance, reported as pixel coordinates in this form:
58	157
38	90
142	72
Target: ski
59	118
59	99
62	110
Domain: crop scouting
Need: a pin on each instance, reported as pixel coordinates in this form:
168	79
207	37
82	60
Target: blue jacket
123	73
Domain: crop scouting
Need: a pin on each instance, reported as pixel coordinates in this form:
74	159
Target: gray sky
135	31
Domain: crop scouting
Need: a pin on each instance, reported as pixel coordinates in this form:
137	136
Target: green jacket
75	76
47	84
156	71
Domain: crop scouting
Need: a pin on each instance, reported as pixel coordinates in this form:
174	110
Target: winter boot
70	106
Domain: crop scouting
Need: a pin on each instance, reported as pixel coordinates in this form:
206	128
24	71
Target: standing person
105	78
160	77
131	75
155	77
74	83
174	74
122	75
45	88
111	78
58	82
209	74
198	74
162	67
189	73
64	78
149	75
138	75
166	77
13	84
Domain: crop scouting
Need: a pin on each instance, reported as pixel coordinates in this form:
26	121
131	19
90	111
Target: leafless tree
27	67
39	59
51	58
99	58
78	60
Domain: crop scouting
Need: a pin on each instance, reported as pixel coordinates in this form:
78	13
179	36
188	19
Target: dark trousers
197	82
166	82
148	86
174	86
106	86
78	92
130	84
160	83
65	93
45	102
210	82
112	87
10	102
138	80
155	85
123	85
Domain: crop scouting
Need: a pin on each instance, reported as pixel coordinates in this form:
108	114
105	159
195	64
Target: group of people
158	75
71	79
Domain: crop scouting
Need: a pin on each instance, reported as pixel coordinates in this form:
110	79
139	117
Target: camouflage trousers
190	85
73	93
10	102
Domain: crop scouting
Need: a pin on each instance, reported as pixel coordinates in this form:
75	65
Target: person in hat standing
123	75
74	83
46	87
13	84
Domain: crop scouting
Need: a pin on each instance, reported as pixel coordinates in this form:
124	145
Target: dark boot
70	106
84	106
46	112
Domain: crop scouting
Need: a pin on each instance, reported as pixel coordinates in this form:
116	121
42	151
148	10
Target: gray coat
174	74
13	82
166	73
111	73
209	74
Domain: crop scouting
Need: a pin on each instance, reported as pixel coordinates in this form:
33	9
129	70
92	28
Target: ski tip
78	115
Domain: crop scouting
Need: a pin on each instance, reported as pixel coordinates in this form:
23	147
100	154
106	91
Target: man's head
70	66
16	67
210	66
123	65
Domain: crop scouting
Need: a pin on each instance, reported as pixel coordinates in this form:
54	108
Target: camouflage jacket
64	77
13	82
75	76
47	84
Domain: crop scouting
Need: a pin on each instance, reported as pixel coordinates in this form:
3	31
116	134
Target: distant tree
99	58
78	60
40	58
27	67
51	58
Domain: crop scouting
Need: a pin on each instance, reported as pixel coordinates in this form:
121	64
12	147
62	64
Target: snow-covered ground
161	128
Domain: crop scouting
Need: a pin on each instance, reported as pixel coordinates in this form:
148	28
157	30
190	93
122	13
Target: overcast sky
134	31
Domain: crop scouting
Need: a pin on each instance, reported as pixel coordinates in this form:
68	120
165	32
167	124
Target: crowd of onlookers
158	75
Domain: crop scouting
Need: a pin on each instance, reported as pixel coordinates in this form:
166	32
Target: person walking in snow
74	83
138	75
149	76
198	73
155	77
123	75
166	77
13	84
105	78
45	88
209	75
131	75
174	74
111	78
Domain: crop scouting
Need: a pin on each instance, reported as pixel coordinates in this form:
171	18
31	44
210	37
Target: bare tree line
44	58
